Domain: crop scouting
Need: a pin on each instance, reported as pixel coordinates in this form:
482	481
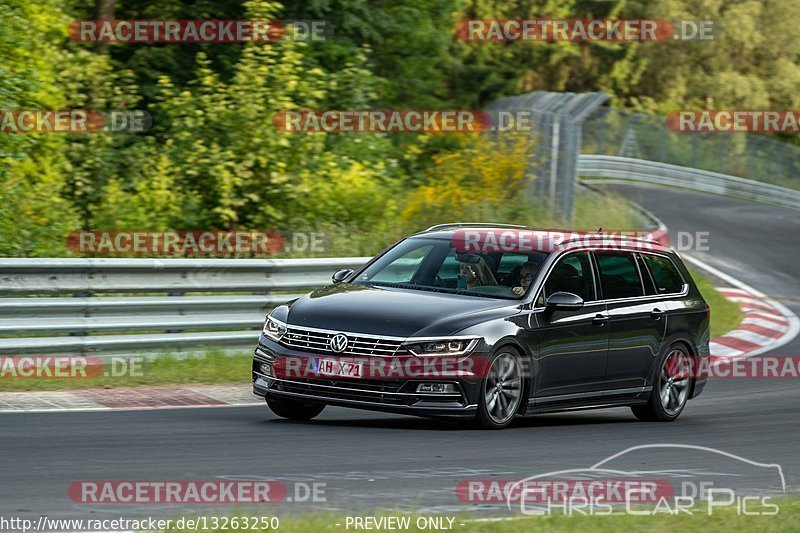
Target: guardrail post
558	118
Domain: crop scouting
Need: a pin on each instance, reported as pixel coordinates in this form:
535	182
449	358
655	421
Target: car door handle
600	320
657	313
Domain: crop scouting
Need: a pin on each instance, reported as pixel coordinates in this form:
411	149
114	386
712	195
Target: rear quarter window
664	273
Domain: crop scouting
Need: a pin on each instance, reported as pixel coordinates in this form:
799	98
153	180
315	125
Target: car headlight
274	329
443	346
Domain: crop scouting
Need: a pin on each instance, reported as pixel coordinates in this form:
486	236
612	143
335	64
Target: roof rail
473	225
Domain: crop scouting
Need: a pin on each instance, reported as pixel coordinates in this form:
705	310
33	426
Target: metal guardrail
640	170
621	132
122	306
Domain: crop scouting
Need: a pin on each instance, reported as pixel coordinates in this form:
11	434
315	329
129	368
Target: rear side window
664	273
619	276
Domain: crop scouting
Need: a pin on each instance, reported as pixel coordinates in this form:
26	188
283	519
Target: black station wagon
488	322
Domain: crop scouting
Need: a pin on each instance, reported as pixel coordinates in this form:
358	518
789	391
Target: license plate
335	367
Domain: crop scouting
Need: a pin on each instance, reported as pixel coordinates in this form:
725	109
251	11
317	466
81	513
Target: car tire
672	385
502	391
294	410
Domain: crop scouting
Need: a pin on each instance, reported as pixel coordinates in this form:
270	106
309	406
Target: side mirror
341	275
564	301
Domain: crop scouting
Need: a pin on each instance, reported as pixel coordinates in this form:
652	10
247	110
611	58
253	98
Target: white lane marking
21	400
741	285
228	394
787	314
498	519
720	350
766	324
751	302
752	309
138	408
778	319
750	336
732	290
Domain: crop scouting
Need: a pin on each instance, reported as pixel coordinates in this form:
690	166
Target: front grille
357	344
368	385
342	391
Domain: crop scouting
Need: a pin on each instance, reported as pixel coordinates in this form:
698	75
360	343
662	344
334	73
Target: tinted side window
664	273
619	276
572	273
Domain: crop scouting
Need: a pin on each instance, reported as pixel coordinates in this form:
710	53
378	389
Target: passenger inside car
476	274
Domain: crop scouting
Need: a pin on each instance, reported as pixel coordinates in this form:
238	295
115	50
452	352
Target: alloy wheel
674	381
503	388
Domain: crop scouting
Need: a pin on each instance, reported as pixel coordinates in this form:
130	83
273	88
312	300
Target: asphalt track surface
378	461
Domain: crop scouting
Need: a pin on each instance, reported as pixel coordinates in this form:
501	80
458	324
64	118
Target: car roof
547	240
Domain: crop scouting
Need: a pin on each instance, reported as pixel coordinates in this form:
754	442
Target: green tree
34	216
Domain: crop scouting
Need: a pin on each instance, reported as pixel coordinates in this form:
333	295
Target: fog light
266	369
437	388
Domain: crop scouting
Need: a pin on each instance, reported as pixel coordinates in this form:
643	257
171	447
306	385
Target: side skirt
589	400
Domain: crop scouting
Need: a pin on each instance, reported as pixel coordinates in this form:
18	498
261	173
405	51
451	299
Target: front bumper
393	395
699	385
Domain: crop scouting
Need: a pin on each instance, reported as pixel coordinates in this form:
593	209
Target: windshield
432	264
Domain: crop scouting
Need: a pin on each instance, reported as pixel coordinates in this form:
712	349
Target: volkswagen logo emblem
338	342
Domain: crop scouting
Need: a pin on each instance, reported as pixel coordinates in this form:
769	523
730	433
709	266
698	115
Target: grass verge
213	367
724	520
725	314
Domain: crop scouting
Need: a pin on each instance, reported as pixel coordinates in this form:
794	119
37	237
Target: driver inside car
526	274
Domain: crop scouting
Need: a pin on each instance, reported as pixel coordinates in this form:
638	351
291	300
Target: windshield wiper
389	284
460	292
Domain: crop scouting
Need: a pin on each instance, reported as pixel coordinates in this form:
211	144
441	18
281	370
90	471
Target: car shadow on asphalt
428	424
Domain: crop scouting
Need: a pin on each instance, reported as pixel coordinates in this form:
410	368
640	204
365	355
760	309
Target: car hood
390	311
